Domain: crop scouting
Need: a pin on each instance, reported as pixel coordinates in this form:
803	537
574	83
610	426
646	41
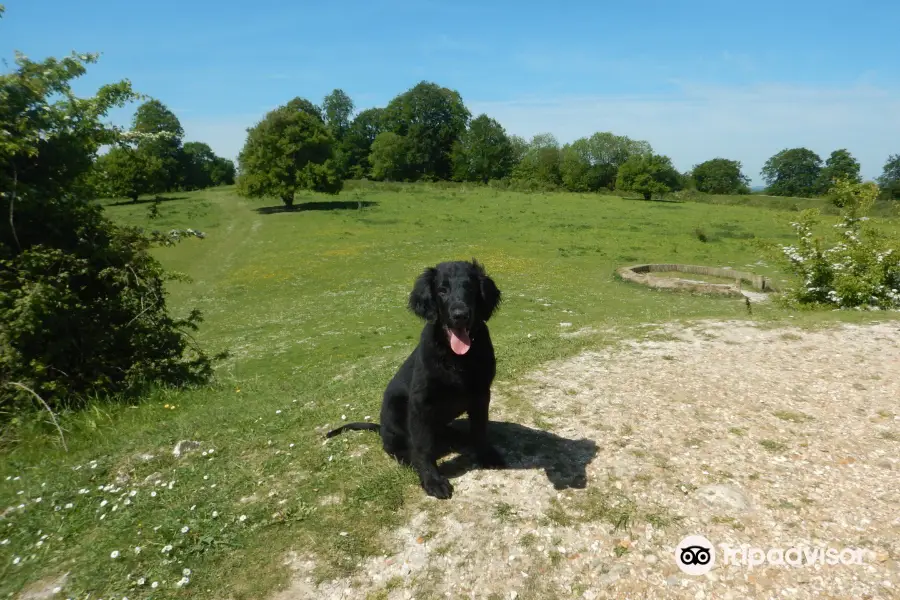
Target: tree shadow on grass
307	206
147	200
563	460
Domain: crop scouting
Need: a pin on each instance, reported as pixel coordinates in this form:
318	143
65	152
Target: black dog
450	372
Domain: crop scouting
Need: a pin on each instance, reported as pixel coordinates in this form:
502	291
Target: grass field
311	306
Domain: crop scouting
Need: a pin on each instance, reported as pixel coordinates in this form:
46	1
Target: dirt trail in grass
772	438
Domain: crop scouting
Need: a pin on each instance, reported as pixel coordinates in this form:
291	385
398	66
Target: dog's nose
459	313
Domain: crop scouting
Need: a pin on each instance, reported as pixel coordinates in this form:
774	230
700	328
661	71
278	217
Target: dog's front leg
478	420
423	455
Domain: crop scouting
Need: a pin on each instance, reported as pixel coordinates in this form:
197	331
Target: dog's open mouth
459	340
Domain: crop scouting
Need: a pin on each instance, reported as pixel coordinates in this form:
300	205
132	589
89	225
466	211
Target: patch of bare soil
771	439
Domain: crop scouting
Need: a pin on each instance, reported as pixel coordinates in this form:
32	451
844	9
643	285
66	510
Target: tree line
426	133
155	159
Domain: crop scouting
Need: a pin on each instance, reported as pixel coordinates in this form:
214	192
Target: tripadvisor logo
696	555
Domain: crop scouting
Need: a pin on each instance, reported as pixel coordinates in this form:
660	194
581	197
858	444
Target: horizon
698	81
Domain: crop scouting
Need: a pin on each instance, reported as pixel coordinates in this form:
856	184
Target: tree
793	172
389	157
163	135
222	171
82	300
290	149
540	162
154	117
483	152
648	174
338	112
720	176
839	166
305	106
201	168
198	163
432	119
358	143
126	172
890	177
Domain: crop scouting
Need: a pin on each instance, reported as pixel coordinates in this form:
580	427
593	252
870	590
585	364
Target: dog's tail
354	427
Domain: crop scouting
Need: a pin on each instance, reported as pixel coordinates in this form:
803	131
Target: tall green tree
338	108
288	150
540	163
889	181
390	157
162	140
129	172
648	174
720	176
358	144
432	119
793	172
841	165
338	112
222	171
197	165
483	152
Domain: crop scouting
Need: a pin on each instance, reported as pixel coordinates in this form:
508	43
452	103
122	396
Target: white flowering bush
859	269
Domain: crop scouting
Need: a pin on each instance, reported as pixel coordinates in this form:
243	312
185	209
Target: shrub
859	270
82	301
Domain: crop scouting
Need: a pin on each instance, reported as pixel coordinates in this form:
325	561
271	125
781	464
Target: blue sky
697	79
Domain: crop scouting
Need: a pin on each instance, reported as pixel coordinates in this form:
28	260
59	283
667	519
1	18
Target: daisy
242	518
114	554
167	548
184	529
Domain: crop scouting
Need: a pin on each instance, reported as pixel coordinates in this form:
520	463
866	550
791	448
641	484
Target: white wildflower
167	548
183	582
186	572
114	554
137	549
242	518
184	529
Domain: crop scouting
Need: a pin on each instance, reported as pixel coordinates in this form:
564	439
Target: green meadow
311	307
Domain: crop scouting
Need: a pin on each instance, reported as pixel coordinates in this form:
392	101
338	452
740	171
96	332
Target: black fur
435	385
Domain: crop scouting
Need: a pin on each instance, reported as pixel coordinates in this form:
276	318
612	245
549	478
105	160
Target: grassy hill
311	306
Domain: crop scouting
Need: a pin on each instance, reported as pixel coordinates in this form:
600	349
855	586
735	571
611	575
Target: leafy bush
82	301
859	270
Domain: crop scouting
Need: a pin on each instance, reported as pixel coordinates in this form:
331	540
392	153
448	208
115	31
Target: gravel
772	438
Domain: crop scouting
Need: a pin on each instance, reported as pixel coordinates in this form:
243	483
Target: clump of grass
701	235
793	416
773	446
504	512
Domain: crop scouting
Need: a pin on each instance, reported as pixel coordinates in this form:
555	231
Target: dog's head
457	295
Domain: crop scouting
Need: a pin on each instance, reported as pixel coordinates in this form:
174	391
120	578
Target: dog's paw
439	487
491	459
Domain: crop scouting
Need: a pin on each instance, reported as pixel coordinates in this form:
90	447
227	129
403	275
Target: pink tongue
459	341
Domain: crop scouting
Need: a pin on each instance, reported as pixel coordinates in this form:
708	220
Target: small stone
650	559
724	495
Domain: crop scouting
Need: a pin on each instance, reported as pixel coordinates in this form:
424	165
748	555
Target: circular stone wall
643	274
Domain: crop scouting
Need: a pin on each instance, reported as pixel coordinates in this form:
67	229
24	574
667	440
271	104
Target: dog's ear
490	294
421	299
